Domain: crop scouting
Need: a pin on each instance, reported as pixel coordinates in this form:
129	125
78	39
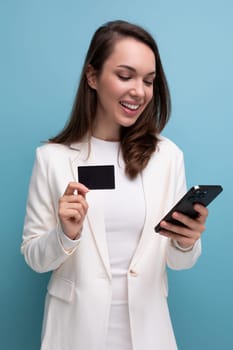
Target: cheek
116	88
111	90
149	95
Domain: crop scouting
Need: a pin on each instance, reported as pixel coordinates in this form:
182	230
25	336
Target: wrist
68	244
176	245
78	235
72	233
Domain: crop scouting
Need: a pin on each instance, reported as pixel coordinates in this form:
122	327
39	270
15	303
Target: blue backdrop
43	44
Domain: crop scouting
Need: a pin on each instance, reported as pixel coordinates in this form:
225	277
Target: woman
108	289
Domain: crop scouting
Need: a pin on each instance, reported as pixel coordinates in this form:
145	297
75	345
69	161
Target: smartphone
97	177
203	194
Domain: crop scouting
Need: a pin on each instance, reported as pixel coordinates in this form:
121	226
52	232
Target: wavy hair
138	141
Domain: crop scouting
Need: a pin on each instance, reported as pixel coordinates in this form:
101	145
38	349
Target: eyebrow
133	69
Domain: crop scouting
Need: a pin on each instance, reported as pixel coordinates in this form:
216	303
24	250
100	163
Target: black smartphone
97	177
203	194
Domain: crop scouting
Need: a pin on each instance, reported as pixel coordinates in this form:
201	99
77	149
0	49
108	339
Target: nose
137	89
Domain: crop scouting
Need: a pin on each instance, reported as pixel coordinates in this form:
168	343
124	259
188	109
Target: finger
69	214
184	236
75	186
192	224
175	229
74	198
192	230
84	203
184	241
80	207
202	211
75	206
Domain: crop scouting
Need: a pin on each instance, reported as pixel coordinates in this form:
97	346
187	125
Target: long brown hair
138	141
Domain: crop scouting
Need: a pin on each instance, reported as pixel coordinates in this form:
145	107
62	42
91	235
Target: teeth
130	106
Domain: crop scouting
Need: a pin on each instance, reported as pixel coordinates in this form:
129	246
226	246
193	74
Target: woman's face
124	87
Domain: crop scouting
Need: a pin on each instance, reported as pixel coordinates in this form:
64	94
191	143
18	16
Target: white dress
124	210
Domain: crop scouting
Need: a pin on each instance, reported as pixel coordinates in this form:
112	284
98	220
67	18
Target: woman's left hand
186	236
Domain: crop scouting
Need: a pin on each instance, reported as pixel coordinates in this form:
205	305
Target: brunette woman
108	288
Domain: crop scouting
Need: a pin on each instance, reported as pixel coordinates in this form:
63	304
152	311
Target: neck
106	134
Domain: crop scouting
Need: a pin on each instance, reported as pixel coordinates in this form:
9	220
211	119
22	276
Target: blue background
43	44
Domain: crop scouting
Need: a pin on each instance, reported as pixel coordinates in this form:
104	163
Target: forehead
131	52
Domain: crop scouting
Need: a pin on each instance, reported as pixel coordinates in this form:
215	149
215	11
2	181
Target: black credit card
97	177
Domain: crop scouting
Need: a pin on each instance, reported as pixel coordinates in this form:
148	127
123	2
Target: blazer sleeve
177	259
42	245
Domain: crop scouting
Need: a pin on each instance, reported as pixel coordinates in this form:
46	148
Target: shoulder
53	155
167	146
167	155
52	150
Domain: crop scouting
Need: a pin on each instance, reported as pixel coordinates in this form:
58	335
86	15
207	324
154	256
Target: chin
128	123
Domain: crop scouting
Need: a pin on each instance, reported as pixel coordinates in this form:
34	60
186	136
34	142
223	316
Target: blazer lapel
146	232
95	214
154	186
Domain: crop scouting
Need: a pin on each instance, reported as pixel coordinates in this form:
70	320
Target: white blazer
79	291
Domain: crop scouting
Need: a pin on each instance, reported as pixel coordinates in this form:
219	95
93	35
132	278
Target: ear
91	76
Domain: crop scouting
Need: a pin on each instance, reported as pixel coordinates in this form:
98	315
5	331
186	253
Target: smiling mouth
130	106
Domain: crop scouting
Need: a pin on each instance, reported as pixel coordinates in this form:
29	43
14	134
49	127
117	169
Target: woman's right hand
72	209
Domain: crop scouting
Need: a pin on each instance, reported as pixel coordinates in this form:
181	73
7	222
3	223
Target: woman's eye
148	83
122	77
